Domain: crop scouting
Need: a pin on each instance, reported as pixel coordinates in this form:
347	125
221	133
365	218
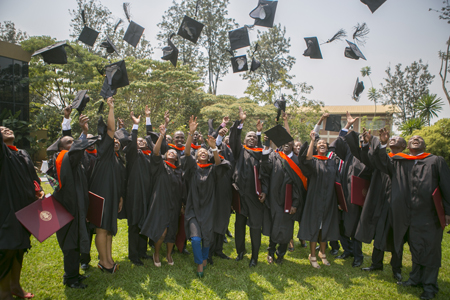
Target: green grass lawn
294	279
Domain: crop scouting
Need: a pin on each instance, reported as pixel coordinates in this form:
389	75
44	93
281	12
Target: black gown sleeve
265	170
149	129
235	139
444	180
132	151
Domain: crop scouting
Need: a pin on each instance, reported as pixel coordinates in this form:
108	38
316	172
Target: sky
401	31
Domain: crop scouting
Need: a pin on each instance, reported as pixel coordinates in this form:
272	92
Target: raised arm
148	122
235	134
286	123
309	155
162	132
317	127
259	127
192	128
111	119
83	121
212	144
380	157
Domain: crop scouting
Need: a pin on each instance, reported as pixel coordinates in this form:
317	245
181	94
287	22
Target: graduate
374	222
254	212
106	182
161	222
320	219
414	178
19	181
202	178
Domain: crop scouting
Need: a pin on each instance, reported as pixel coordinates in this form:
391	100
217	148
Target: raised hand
110	102
225	120
162	129
135	120
242	115
367	135
147	111
120	122
259	126
83	121
350	120
67	111
223	131
211	142
166	117
384	136
192	124
284	115
312	136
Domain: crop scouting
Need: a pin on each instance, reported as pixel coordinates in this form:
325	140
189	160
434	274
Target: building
366	114
14	86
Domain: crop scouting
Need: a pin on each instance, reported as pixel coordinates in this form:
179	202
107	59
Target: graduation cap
116	75
279	135
101	127
100	108
264	13
134	30
190	29
87	35
53	54
255	63
210	127
170	52
353	51
239	38
359	87
239	63
106	91
123	136
333	123
313	48
108	44
280	104
54	146
80	101
373	4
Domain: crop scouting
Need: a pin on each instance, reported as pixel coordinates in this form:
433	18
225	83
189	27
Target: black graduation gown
412	207
352	167
139	182
257	213
321	205
73	194
200	202
374	222
16	192
88	163
276	173
106	182
165	201
123	174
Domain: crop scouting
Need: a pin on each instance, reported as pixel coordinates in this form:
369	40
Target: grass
226	279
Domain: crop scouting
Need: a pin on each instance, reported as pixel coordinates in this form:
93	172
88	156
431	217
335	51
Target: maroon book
44	217
236	201
181	235
340	196
95	209
257	181
437	198
288	198
359	188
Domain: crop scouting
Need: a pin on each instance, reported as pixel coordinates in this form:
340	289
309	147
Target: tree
444	12
372	94
404	88
445	69
410	125
429	106
9	33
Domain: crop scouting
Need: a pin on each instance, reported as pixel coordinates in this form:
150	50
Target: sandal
324	259
168	262
111	270
157	264
313	262
270	259
25	296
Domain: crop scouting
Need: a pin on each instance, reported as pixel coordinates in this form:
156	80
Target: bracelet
214	150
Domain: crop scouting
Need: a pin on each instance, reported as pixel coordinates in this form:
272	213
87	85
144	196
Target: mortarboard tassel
126	8
361	32
117	24
83	17
337	37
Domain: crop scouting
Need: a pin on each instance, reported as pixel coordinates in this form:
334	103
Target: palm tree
408	127
373	95
429	106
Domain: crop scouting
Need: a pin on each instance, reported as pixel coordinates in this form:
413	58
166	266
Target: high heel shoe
168	262
157	264
200	274
313	262
111	270
324	259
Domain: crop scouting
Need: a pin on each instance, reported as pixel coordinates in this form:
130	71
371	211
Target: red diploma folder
257	182
181	235
236	202
360	187
95	209
44	217
340	196
288	198
437	197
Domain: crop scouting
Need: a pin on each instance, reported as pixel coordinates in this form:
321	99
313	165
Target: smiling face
116	145
93	146
297	146
417	144
8	135
65	143
250	139
179	138
141	143
202	155
172	156
397	144
322	147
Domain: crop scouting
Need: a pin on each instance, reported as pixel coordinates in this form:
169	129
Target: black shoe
77	285
253	262
334	252
223	255
427	295
84	267
372	268
228	233
185	252
344	256
357	263
398	276
210	261
240	256
225	240
83	277
407	284
146	257
279	260
137	262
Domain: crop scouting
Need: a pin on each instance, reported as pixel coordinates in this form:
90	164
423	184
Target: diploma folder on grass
340	196
44	217
95	210
288	198
360	186
437	198
257	181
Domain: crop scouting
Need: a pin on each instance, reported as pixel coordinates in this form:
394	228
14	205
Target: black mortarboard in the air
87	35
313	48
373	4
333	123
134	30
353	51
210	127
239	63
239	38
53	54
116	74
255	63
80	101
264	13
106	91
359	87
280	104
170	52
190	29
279	135
101	127
108	44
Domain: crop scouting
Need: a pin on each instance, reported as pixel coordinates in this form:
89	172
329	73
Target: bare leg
5	287
109	247
169	252
323	247
312	247
15	275
205	262
101	244
158	246
200	267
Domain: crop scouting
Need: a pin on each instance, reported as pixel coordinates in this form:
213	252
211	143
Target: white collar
290	154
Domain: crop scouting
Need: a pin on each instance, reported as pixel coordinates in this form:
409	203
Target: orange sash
203	165
58	162
14	148
196	147
170	165
320	157
253	149
146	152
410	157
92	151
296	169
175	147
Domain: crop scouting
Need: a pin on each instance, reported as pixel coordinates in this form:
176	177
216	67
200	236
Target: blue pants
200	253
